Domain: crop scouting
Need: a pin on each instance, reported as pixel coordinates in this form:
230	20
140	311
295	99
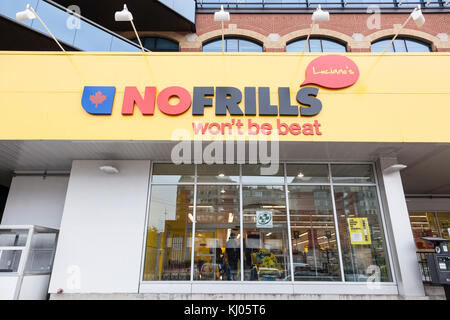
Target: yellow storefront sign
359	231
397	98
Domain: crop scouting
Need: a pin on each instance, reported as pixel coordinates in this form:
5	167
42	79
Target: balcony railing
76	31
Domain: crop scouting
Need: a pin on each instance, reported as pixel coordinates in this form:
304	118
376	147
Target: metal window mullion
194	211
241	221
383	223
147	217
286	192
336	222
23	262
11	248
438	225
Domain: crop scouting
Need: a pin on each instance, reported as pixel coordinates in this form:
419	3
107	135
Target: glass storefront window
217	233
314	242
13	238
423	224
444	224
345	173
217	173
266	237
257	174
10	260
361	233
219	197
307	173
172	173
169	232
42	249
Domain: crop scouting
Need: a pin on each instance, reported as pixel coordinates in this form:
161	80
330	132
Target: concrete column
403	248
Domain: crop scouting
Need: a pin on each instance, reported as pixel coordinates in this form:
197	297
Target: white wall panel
35	200
101	236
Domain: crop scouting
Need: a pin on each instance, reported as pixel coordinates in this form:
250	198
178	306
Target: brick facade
354	30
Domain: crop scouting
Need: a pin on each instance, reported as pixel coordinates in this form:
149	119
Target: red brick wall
344	23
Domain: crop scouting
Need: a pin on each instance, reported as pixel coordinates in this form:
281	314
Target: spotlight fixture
126	15
30	14
320	15
418	18
222	16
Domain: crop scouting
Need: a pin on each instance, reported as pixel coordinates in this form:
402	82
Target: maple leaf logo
98	98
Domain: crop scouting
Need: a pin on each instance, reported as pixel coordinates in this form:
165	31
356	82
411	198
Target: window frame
156	38
405	40
320	38
231	37
186	286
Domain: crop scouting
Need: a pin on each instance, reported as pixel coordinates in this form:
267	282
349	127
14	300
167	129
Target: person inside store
232	253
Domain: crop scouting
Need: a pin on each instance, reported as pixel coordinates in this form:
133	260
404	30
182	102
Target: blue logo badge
98	100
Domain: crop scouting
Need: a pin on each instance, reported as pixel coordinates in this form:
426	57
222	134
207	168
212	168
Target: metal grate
422	259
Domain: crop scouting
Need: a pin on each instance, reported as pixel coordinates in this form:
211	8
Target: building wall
102	230
36	200
273	31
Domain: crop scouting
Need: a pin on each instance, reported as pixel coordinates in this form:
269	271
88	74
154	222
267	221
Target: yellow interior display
398	97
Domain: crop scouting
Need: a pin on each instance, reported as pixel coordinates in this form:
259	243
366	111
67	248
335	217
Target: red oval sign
331	71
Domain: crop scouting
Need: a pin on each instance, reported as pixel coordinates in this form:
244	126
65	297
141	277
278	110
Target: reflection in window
9	260
355	173
259	249
265	234
218	173
307	173
315	45
169	231
40	259
258	174
232	45
401	45
361	233
217	233
314	246
13	237
157	44
172	173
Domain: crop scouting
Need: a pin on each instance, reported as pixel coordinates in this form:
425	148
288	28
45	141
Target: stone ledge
179	296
